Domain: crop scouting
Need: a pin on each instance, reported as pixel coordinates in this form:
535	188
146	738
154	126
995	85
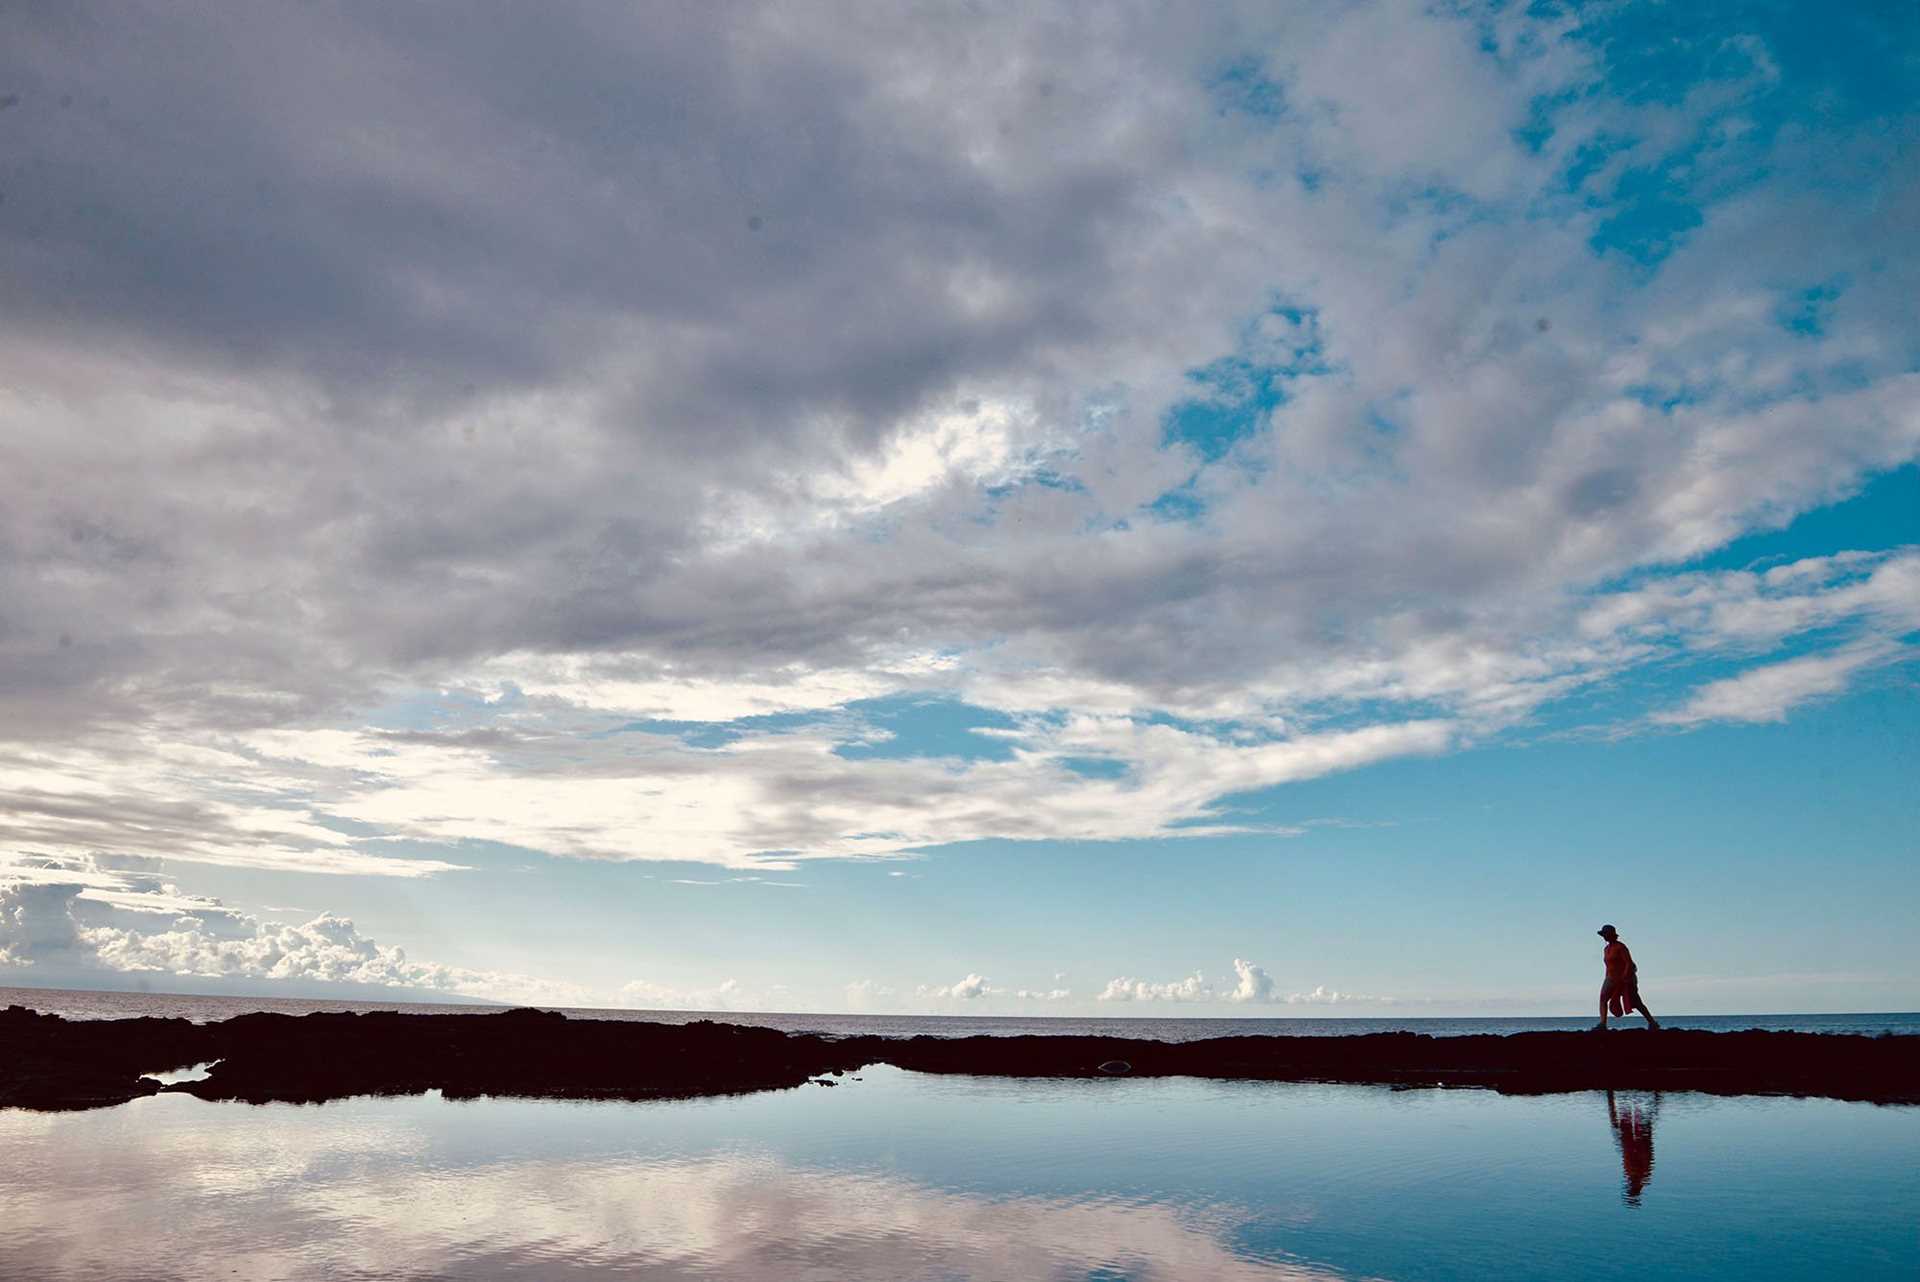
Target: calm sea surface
82	1004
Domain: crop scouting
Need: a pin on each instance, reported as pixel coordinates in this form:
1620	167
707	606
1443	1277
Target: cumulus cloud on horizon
85	920
1252	986
91	920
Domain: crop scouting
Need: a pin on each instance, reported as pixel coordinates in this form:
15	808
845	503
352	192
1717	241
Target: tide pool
899	1175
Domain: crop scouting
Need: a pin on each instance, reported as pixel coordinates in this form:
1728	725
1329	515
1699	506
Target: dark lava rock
48	1062
1836	1066
522	1052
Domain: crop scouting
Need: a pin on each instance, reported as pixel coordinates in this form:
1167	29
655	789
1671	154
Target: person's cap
1606	930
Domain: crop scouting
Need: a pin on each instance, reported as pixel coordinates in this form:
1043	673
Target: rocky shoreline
47	1062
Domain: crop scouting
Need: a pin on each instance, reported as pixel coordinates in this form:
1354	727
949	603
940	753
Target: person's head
1608	933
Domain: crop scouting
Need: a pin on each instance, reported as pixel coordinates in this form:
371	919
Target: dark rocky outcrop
1835	1066
49	1062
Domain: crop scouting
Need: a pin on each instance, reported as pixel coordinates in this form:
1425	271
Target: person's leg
1606	1000
1641	1006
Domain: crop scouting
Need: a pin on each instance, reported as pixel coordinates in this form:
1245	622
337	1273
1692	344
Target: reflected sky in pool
898	1175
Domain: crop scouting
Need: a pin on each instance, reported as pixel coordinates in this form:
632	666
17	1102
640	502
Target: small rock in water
1115	1067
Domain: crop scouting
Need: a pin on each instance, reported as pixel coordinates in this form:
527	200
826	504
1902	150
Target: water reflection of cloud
743	1217
312	1197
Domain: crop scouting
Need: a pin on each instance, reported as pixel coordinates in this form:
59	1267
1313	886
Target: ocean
87	1004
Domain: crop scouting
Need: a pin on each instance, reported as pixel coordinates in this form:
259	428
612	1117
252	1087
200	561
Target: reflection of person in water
1633	1133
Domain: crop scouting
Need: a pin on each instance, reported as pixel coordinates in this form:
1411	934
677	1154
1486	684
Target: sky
1049	509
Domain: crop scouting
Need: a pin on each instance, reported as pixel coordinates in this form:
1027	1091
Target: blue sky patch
1243	88
1809	311
1238	397
928	727
1096	767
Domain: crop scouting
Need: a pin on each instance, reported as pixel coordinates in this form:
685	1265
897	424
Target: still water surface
904	1176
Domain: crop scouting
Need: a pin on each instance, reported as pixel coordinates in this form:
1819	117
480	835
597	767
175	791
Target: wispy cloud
1769	692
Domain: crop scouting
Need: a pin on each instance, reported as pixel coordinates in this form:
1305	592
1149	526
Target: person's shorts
1622	990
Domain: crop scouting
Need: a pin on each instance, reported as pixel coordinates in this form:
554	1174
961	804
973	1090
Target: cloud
34	921
90	919
1194	988
1768	692
1321	995
735	1214
972	988
734	881
969	988
1754	610
43	927
1252	986
756	367
142	796
82	921
764	798
864	994
769	798
640	994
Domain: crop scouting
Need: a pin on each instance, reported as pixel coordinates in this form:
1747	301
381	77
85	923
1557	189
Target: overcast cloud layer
408	426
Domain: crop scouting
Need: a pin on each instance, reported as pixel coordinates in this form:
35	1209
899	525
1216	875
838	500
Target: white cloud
971	988
974	989
1756	609
1321	995
1251	983
732	1214
46	925
1194	988
635	687
1769	692
203	800
769	798
1252	986
545	775
74	921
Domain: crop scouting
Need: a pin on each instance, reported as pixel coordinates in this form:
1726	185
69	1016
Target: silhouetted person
1620	991
1633	1132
